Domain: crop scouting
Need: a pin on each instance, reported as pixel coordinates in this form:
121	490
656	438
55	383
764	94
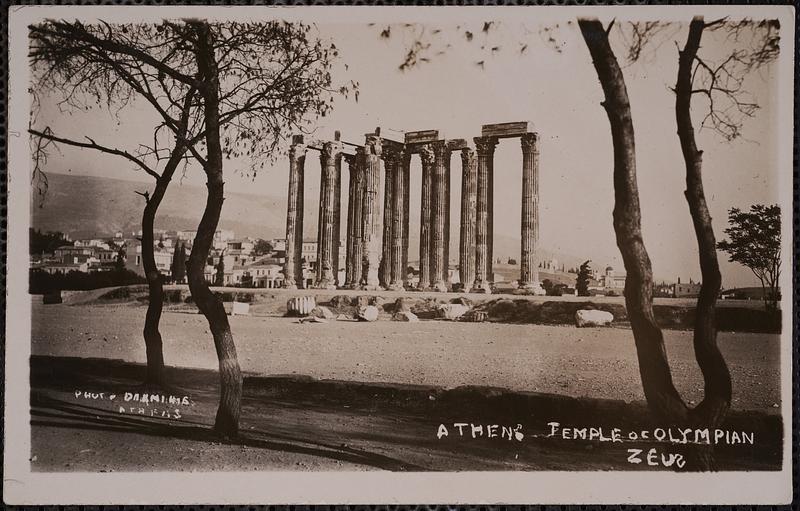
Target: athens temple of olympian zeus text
377	230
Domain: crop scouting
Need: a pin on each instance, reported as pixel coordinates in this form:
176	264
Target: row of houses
241	263
237	262
612	282
84	256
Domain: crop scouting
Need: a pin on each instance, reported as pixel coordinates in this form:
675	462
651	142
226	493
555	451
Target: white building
611	280
133	258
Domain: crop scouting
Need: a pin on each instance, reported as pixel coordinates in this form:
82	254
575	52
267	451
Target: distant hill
88	206
84	206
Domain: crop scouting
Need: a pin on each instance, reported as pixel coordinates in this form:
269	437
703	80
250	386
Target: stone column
406	163
371	214
352	202
326	279
390	169
529	272
484	147
447	211
292	268
426	155
439	215
320	222
469	192
490	220
397	273
337	217
356	263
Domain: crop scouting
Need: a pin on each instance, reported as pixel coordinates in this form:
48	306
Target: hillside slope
88	206
83	206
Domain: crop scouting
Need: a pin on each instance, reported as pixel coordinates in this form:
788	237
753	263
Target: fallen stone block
407	316
462	300
475	316
587	318
300	305
452	311
323	312
367	313
401	305
240	309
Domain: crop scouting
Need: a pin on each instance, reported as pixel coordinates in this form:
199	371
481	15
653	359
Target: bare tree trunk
662	397
227	419
717	399
152	336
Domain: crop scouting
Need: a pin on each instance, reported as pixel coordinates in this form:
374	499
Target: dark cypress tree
178	268
119	261
582	282
220	278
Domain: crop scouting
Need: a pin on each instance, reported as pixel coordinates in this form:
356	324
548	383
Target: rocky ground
670	313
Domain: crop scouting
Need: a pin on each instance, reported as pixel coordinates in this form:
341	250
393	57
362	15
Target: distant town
258	263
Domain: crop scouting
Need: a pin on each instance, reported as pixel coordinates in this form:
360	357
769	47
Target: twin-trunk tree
245	85
695	76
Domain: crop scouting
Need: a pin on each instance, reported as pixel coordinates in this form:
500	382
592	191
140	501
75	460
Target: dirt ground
308	425
349	395
589	362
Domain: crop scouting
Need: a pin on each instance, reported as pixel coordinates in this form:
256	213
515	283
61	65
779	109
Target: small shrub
173	296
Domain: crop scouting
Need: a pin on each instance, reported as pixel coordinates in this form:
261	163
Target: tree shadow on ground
375	425
50	412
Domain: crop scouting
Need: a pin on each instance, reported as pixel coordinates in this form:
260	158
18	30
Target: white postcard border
21	486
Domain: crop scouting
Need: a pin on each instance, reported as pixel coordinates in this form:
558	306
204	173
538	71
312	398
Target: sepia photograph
348	254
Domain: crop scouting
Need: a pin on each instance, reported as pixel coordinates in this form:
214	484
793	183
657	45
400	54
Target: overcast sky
559	93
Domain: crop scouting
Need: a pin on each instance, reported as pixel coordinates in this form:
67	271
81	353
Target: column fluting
469	191
438	216
294	218
529	271
427	157
484	148
331	152
372	212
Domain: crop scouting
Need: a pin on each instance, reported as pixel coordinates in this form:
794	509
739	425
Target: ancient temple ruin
377	230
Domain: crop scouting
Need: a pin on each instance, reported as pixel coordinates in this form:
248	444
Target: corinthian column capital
331	149
440	149
529	142
394	156
331	152
485	145
373	145
426	154
468	159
